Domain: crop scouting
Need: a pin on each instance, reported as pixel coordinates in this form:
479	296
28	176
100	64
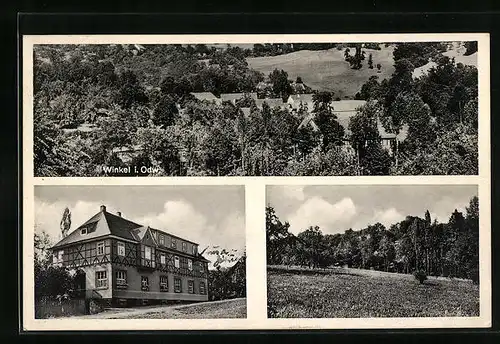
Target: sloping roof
246	111
308	120
347	105
226	97
172	235
103	223
205	96
345	110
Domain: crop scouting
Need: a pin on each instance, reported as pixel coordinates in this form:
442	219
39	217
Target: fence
53	308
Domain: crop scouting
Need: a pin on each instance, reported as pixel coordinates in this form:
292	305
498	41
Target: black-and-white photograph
139	252
367	251
265	109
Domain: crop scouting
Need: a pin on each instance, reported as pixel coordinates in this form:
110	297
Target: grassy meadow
355	293
327	70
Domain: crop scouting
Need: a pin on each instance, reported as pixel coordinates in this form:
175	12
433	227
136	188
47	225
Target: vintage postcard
256	181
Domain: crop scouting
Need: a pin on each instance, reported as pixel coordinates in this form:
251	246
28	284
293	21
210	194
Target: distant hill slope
457	52
326	69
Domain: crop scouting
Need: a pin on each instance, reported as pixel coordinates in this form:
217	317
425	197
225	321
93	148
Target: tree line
414	244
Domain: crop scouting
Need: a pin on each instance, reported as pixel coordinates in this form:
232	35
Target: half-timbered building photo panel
139	252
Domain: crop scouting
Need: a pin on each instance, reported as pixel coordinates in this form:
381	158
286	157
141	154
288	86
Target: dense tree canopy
92	103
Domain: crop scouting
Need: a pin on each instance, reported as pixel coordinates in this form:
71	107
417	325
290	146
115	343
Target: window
190	264
174	243
202	288
147	252
163	283
101	278
191	287
177	285
84	231
144	283
200	266
121	278
193	249
161	238
176	262
184	247
100	248
121	249
162	259
60	256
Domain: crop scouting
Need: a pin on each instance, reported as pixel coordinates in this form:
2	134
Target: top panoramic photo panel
267	109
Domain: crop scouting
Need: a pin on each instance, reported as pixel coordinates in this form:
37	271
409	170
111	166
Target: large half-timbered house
123	262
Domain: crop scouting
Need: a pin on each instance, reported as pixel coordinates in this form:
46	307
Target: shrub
420	275
474	275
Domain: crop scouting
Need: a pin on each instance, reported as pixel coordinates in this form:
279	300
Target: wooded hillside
92	102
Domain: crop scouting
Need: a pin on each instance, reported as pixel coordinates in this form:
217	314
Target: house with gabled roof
126	263
344	110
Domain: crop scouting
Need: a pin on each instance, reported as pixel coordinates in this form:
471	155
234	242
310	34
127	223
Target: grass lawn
210	310
353	293
326	69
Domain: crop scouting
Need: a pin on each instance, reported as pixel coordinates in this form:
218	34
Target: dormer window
174	243
184	247
194	249
161	239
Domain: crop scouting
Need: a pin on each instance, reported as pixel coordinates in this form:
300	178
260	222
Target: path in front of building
170	311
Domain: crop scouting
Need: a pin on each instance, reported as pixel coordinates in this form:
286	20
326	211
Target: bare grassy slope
326	69
353	293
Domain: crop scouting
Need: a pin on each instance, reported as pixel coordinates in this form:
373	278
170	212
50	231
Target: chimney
103	208
119	213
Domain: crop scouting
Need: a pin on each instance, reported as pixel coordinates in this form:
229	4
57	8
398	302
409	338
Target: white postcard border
255	198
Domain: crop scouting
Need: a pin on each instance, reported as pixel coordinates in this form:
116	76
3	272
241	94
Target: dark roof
205	96
173	236
104	223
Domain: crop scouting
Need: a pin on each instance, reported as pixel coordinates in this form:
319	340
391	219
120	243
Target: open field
355	293
225	309
326	69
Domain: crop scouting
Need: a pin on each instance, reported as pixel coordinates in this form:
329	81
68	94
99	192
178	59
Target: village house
345	110
123	263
